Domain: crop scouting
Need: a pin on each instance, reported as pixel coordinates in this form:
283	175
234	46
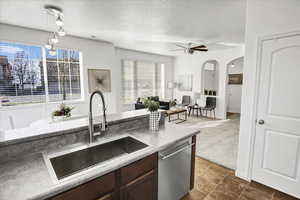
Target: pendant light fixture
48	45
59	22
52	51
61	32
54	38
57	13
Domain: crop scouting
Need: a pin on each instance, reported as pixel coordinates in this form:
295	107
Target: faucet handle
104	126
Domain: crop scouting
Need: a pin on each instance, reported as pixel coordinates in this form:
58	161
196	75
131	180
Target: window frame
44	60
135	65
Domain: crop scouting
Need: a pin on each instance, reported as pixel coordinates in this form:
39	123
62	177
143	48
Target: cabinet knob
261	122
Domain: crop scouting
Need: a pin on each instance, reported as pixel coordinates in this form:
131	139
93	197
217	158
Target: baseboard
242	176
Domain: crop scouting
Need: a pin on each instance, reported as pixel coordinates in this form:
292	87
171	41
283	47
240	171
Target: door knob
261	122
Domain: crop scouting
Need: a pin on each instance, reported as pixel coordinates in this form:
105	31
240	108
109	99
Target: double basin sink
71	163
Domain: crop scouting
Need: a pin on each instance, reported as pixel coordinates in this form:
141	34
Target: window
142	79
63	72
22	71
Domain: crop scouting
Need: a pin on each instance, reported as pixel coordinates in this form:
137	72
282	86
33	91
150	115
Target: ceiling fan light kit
57	13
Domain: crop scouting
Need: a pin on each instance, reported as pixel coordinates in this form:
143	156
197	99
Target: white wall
96	54
234	92
192	64
263	18
143	56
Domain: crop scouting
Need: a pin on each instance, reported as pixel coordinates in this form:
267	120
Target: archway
210	78
233	89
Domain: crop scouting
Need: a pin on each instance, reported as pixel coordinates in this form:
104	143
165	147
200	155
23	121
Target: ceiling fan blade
181	46
199	47
176	50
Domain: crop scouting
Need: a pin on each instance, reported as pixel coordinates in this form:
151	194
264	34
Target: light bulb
54	39
232	65
52	51
61	31
59	21
48	45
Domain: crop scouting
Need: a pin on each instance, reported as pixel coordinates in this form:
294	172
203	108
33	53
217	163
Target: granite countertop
28	177
44	128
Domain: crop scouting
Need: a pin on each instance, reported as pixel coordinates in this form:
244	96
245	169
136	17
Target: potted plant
154	116
63	112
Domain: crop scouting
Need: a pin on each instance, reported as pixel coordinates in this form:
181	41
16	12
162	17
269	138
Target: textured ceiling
146	25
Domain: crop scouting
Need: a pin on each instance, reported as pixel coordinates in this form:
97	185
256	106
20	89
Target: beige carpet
218	140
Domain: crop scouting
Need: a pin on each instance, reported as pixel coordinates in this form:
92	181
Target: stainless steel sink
70	163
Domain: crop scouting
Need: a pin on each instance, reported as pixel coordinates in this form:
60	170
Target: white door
234	98
277	140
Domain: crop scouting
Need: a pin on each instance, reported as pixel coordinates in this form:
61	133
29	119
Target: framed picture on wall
185	82
99	79
235	79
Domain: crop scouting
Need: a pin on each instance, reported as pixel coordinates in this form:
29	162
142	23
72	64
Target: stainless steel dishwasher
174	170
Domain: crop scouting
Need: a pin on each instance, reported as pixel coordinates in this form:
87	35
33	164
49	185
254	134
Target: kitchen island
27	176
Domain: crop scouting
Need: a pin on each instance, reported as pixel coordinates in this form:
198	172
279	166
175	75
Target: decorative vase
154	119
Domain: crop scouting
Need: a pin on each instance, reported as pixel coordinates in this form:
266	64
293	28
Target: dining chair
186	100
211	103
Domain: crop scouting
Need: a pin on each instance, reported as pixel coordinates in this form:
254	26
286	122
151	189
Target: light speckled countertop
46	127
28	177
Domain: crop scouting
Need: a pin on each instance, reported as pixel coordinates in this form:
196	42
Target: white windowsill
33	105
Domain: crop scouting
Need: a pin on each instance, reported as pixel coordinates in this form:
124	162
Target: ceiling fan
189	48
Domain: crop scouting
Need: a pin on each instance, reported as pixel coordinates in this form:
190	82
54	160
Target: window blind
141	79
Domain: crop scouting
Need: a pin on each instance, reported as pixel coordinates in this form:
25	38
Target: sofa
164	105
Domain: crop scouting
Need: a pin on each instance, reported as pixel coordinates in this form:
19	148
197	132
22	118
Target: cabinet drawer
107	197
92	190
142	188
138	168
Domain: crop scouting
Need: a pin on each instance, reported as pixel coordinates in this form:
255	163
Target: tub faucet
103	124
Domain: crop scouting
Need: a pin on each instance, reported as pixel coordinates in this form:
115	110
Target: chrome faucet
103	125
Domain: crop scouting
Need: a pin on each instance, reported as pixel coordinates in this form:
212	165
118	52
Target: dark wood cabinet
138	168
92	190
136	181
144	187
108	197
193	162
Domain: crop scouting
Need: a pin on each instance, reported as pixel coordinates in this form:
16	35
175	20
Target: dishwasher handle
163	157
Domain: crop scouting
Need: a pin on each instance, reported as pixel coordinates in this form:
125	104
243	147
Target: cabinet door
144	187
138	168
95	189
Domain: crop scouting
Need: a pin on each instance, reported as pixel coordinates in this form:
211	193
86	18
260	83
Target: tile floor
214	182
